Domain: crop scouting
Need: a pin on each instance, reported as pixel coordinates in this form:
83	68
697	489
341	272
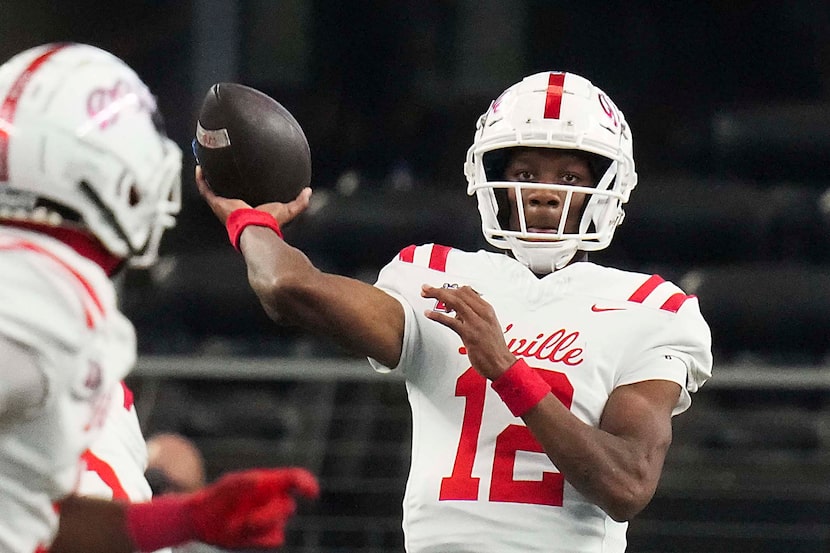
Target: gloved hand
242	509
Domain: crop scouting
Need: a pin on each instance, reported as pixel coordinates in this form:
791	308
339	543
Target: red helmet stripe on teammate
9	106
553	99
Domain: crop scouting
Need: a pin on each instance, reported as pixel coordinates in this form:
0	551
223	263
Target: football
250	147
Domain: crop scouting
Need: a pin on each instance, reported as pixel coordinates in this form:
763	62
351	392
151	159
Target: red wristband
520	388
241	218
163	522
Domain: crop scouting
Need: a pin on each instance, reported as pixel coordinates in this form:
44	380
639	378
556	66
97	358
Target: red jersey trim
90	318
675	302
438	258
8	108
407	255
129	400
641	293
107	474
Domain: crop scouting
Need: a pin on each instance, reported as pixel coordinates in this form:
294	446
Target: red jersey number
461	485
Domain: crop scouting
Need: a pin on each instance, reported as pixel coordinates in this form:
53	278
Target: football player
542	385
88	183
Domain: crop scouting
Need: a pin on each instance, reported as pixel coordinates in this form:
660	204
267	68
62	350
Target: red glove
241	510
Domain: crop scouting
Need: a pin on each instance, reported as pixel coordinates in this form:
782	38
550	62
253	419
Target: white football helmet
81	139
552	110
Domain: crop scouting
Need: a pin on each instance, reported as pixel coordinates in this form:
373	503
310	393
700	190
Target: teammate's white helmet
81	136
552	110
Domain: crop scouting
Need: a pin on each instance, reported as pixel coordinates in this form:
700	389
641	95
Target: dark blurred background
729	103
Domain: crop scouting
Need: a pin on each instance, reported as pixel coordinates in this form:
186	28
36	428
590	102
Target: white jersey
62	308
115	462
479	482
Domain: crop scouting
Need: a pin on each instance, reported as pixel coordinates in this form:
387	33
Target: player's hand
222	207
249	508
475	322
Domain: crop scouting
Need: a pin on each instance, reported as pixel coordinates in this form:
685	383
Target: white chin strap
543	257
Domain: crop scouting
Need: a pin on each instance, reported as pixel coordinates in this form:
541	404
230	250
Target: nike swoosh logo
596	309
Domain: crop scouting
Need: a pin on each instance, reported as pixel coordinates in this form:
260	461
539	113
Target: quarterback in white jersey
479	481
542	386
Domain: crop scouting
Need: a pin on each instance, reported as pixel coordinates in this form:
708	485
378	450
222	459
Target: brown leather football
250	147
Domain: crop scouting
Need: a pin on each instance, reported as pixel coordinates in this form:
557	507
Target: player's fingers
304	482
202	185
449	297
293	479
453	323
299	204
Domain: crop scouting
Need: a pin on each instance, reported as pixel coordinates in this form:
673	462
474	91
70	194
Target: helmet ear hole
135	196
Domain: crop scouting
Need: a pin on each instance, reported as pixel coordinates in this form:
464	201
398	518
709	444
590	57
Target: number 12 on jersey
461	485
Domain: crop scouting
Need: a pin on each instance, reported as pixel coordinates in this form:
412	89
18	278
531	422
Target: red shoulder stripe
128	396
641	293
407	255
675	301
438	257
90	321
107	474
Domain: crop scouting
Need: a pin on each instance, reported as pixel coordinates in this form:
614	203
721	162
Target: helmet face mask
79	134
561	111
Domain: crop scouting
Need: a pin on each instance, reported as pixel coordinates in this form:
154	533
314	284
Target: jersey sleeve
402	279
390	281
680	351
117	459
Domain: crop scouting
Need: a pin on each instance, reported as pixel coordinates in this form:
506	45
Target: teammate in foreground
542	386
88	184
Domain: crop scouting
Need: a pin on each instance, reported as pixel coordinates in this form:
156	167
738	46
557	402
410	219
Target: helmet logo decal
9	106
104	104
553	98
609	110
497	102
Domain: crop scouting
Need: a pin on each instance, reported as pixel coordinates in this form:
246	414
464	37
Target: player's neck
579	256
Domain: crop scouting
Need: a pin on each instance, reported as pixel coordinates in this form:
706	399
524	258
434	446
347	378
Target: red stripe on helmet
647	288
553	99
9	106
438	257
